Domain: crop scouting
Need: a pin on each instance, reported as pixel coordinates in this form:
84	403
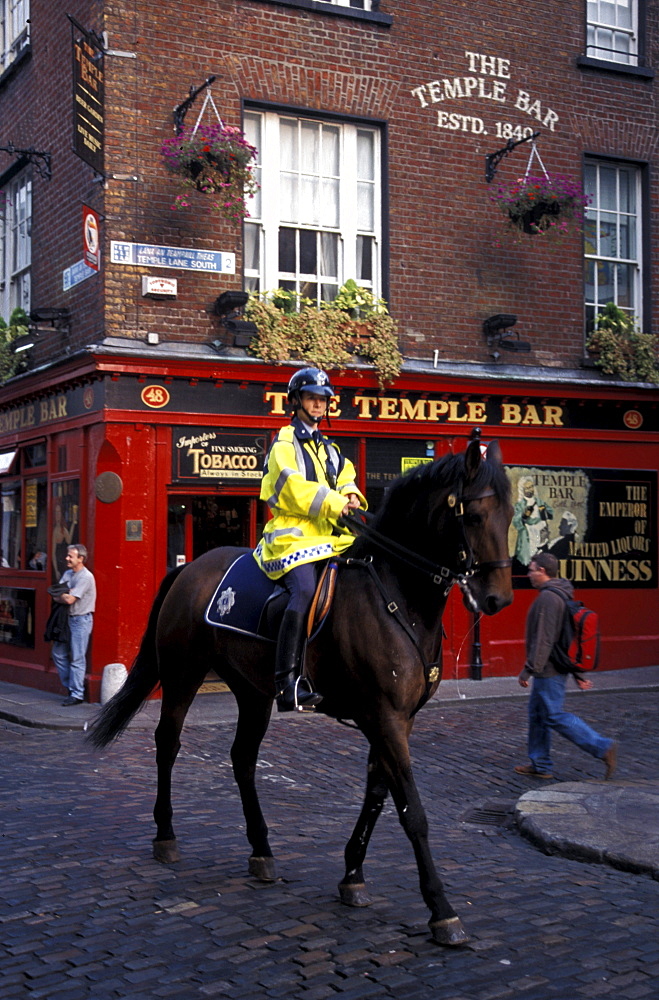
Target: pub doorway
199	522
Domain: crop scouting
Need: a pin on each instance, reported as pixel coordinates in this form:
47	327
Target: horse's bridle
445	576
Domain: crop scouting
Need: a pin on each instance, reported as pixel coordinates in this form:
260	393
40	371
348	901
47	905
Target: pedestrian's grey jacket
544	624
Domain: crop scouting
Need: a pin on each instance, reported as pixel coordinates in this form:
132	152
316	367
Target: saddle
249	602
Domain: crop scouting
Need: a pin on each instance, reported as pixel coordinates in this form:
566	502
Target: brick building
375	124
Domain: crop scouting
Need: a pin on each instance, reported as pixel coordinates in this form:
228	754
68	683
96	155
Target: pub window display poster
601	525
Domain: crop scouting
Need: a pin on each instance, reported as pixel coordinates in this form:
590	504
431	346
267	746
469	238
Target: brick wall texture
448	266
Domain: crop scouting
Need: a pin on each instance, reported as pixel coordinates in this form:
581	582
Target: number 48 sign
155	396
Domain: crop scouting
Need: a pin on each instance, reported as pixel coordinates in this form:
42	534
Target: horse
376	659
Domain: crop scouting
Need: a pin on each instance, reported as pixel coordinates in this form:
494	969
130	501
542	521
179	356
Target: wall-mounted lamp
229	307
25	343
57	318
498	333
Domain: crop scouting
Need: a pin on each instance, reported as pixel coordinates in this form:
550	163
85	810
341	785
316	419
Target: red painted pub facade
138	424
153	464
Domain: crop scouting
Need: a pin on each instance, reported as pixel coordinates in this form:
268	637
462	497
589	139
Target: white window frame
15	244
612	41
14	30
355	4
264	222
595	215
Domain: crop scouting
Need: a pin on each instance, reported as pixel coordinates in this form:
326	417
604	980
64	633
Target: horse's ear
493	453
473	458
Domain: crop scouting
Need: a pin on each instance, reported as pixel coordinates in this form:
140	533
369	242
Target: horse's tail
141	681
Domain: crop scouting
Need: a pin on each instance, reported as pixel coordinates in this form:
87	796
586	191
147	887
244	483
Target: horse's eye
473	520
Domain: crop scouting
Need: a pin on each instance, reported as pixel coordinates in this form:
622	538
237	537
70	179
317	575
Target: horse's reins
439	575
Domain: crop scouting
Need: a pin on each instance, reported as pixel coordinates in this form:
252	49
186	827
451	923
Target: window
14	30
316	220
10	532
612	30
355	10
23	518
357	4
65	501
36	506
15	245
612	239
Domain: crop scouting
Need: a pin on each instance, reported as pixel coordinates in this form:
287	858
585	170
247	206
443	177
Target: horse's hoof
449	932
263	868
354	894
166	851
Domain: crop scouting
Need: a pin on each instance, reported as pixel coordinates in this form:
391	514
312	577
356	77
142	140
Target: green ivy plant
621	349
291	326
11	364
358	302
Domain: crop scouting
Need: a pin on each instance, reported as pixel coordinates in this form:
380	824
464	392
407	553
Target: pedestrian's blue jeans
546	713
71	660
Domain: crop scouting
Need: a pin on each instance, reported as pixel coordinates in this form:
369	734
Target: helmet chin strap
310	418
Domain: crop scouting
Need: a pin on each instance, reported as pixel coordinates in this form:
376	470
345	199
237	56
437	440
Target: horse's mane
433	476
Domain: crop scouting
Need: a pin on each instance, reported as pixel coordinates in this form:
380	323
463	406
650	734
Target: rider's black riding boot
287	666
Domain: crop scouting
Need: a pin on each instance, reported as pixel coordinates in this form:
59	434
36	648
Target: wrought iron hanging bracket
41	160
492	160
181	110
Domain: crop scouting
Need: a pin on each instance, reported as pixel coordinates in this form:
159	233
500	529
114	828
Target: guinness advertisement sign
601	524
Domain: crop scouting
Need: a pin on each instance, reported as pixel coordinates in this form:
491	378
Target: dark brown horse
375	661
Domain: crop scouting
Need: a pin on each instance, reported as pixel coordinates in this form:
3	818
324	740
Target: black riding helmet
313	380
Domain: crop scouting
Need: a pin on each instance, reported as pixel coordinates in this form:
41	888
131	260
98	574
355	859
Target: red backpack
578	647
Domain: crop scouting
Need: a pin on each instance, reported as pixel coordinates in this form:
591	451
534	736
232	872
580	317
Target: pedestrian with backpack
545	659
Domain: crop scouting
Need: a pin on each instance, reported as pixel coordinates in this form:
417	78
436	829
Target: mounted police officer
307	485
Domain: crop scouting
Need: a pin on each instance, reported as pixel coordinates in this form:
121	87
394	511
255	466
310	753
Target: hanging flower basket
542	206
536	219
217	160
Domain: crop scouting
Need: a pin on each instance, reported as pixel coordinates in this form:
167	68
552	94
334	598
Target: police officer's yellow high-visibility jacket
305	484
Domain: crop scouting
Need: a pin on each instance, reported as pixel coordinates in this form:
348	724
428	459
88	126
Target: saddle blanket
246	600
241	596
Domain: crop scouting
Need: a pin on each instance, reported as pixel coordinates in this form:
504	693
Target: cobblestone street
86	913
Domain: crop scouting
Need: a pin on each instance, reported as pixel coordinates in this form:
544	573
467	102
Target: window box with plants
12	363
620	349
355	322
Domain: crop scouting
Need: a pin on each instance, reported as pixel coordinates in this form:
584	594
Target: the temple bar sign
494	411
88	98
231	457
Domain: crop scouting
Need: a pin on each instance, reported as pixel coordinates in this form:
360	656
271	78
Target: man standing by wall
544	625
71	658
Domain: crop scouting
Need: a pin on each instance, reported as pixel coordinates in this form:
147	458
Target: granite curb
613	822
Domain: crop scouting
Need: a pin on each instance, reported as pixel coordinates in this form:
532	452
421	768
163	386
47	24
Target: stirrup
312	699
